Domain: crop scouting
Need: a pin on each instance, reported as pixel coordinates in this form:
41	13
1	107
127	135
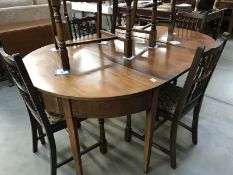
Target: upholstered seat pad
168	98
54	118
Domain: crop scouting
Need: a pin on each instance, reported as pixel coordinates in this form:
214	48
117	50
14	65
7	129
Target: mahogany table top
99	70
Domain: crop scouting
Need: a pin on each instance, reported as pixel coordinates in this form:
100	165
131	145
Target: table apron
103	108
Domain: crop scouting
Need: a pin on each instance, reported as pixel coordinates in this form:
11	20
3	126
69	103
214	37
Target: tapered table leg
149	127
73	134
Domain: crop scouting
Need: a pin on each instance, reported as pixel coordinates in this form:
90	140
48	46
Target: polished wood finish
73	133
129	24
124	86
149	126
58	30
128	39
153	31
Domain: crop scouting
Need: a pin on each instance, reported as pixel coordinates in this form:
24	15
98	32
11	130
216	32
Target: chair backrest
84	26
203	65
215	16
19	74
191	21
58	30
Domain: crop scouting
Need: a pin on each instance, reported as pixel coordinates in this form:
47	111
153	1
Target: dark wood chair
2	71
192	21
228	16
58	29
43	123
82	27
129	13
214	19
175	102
4	74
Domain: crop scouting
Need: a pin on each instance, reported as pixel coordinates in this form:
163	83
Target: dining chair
129	14
5	74
175	102
191	20
214	18
43	122
58	28
82	27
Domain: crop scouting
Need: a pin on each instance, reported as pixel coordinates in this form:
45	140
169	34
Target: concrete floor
212	156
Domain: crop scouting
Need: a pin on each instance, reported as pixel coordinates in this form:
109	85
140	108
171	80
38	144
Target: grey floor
212	156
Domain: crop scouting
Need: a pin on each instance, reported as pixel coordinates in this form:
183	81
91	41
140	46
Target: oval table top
99	71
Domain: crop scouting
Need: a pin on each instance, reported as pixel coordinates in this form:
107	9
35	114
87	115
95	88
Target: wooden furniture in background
102	80
191	21
130	21
40	118
82	27
26	37
146	11
208	22
214	17
229	5
58	30
62	45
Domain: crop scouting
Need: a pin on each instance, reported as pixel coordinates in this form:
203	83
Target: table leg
73	134
149	127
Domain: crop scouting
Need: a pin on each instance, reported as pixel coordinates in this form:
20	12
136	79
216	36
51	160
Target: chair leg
34	132
157	116
79	125
103	146
5	73
10	80
128	129
173	136
34	135
195	123
1	67
40	132
53	154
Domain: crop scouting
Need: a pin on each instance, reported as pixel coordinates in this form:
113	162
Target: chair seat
168	98
54	118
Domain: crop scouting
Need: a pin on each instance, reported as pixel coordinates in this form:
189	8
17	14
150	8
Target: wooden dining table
103	84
